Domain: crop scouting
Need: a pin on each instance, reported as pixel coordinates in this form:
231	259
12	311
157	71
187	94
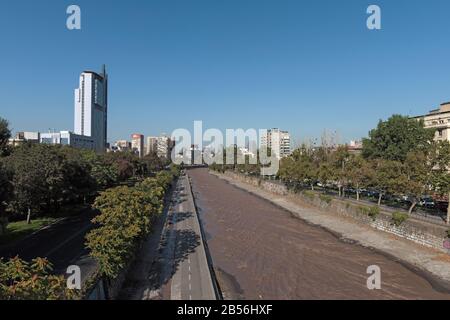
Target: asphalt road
191	279
61	243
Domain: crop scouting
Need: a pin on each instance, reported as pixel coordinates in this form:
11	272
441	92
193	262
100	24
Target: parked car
427	202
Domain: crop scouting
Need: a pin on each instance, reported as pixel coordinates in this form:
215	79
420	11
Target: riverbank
428	261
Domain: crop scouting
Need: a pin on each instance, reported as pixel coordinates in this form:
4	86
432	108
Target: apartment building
438	119
152	145
278	141
137	144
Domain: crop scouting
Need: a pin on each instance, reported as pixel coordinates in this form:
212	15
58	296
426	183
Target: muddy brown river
260	251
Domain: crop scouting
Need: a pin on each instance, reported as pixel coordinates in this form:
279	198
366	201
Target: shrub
364	210
21	280
374	212
309	194
126	216
326	198
398	218
448	233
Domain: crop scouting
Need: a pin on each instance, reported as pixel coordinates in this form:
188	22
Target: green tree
78	181
29	179
5	134
126	217
20	280
386	177
417	176
440	159
105	174
5	196
395	138
339	162
360	173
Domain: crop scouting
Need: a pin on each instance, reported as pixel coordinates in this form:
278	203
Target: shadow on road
181	216
170	258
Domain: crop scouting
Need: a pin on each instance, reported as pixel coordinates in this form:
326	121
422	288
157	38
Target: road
261	251
191	279
172	264
61	243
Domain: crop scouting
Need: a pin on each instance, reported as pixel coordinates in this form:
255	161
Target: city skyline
234	157
275	66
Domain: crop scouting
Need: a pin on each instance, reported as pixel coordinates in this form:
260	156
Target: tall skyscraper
91	108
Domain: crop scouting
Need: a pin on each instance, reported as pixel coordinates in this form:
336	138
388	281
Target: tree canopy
395	138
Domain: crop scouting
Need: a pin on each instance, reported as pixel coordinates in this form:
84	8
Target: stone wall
424	233
275	187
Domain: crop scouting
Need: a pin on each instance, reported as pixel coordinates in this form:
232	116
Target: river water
260	251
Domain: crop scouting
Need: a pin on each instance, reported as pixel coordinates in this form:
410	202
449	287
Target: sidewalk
427	261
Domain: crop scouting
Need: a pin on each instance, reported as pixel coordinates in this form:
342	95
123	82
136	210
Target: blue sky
298	65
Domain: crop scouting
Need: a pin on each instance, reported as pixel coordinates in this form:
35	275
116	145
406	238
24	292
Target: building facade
137	144
91	108
164	147
67	138
152	145
438	119
278	141
22	137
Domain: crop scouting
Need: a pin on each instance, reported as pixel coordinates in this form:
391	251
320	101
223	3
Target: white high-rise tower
91	108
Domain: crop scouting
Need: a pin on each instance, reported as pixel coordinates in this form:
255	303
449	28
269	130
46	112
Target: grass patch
19	230
309	194
372	212
363	210
398	218
326	198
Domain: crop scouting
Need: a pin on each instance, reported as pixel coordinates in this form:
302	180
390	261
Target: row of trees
126	216
39	178
422	173
400	157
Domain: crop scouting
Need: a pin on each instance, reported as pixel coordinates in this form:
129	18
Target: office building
91	108
67	138
22	137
